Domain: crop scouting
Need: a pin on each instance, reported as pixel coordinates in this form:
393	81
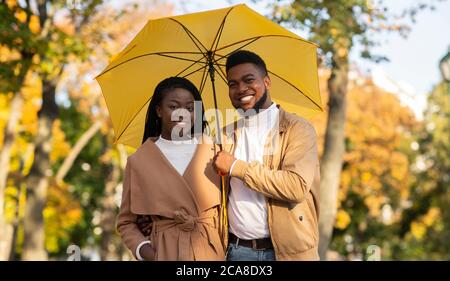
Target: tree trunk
109	244
37	182
77	148
7	228
334	148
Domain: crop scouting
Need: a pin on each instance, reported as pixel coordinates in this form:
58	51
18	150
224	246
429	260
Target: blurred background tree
337	26
425	227
43	207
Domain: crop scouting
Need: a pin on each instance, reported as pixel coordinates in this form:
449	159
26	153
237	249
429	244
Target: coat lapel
201	177
156	186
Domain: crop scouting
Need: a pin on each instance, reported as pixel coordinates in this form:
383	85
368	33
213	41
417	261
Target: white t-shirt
247	209
179	153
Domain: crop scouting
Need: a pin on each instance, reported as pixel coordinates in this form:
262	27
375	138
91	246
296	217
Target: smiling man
271	161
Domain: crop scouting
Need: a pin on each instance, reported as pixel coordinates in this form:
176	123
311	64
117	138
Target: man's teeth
246	98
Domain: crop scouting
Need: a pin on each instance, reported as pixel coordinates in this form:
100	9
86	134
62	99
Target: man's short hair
244	56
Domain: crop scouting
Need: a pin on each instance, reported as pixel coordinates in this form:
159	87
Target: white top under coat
247	209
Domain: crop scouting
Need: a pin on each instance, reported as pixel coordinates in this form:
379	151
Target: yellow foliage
399	171
342	219
374	131
418	230
342	52
61	214
374	204
11	3
21	16
29	116
60	148
4	113
7	54
366	177
11	198
431	216
34	25
32	93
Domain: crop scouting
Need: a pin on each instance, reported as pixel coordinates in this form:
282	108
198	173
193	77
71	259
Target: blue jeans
241	253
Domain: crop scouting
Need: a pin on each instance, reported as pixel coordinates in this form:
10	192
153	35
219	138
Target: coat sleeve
293	180
126	220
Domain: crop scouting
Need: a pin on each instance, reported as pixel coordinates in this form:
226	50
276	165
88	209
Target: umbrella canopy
195	44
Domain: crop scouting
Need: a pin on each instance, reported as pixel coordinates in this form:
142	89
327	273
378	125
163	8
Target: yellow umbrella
196	46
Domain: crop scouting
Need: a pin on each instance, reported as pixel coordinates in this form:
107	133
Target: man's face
247	84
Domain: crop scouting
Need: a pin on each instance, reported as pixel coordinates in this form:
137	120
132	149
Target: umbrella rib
163	54
243	46
191	65
192	37
220	74
219	33
173	57
192	72
264	36
192	53
137	112
289	83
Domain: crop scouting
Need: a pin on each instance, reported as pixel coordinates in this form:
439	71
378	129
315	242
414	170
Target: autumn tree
93	155
376	175
55	46
424	230
337	27
19	47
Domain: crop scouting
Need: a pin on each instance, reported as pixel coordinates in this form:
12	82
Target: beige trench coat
183	208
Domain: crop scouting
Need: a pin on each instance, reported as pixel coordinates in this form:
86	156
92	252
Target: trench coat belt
190	230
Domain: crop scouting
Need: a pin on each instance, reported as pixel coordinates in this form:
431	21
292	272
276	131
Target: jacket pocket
307	221
293	230
306	224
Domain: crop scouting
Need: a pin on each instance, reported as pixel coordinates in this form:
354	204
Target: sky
415	60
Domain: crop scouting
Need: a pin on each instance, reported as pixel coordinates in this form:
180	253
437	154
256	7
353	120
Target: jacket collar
237	125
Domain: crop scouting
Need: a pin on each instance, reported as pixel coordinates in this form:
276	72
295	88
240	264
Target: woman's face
176	111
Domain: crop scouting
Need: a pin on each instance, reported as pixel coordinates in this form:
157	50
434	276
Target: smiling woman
172	109
170	182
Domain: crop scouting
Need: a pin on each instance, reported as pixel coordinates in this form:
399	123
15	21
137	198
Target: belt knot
184	221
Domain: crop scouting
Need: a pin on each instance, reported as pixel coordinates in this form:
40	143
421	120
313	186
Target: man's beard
258	104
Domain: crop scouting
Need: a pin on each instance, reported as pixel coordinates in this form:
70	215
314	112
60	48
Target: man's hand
147	252
144	223
222	162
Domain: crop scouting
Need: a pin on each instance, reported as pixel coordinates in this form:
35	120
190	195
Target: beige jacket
289	178
184	209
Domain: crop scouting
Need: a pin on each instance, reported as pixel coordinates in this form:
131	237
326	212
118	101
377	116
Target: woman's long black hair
152	121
